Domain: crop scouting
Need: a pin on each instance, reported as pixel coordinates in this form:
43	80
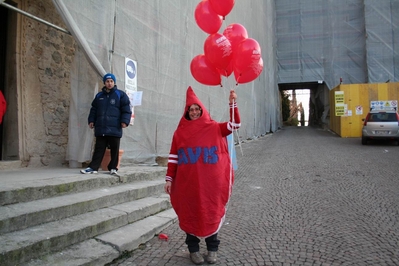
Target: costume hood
191	98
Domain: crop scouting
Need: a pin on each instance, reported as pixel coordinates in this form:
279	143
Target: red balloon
247	53
222	7
163	237
204	72
218	51
227	71
207	19
249	74
235	33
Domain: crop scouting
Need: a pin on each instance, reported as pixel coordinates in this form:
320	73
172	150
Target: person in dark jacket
110	112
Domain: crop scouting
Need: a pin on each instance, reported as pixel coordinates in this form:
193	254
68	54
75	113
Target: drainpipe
33	17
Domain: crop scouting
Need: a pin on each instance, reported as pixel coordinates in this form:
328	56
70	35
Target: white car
381	124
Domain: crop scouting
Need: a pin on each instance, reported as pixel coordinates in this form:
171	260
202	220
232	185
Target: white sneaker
88	170
113	172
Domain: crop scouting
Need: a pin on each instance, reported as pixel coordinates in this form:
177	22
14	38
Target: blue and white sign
384	105
130	74
131	85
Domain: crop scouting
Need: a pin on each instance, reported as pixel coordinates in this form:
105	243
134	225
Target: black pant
99	150
212	243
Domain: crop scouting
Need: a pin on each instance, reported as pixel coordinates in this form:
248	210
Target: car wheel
364	141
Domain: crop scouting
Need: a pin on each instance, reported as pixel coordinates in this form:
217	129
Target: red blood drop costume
200	170
3	107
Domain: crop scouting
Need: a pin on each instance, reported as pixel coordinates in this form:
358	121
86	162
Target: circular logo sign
131	69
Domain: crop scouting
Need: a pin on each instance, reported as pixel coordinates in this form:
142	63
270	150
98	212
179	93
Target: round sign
131	69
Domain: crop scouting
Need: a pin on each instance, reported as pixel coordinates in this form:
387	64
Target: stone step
27	185
119	227
6	165
61	217
109	246
20	216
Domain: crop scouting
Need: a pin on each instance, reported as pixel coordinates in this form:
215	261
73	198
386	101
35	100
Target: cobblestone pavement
302	196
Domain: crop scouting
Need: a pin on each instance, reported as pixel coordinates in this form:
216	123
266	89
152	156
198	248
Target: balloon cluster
226	53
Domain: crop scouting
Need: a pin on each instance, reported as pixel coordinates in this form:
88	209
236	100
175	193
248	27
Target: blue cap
109	76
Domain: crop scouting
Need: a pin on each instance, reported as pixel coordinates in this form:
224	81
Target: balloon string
231	153
236	131
232	147
238	80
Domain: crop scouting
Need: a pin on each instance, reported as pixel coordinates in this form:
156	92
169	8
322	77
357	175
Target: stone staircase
77	219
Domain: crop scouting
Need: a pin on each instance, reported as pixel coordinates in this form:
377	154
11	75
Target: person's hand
168	187
233	96
91	125
123	125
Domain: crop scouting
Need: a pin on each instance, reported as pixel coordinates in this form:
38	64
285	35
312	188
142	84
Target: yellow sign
339	97
339	103
339	110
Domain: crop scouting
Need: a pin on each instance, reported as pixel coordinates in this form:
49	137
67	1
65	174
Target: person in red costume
200	176
3	107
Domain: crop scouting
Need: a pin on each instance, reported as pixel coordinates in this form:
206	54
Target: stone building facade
35	64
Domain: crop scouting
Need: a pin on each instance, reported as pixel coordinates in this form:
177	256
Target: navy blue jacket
108	111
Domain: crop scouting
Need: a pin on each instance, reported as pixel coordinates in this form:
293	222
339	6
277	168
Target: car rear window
383	117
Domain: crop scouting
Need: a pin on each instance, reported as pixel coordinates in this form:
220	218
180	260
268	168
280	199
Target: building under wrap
310	44
163	37
356	40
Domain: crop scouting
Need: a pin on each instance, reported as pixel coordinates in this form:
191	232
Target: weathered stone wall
47	54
